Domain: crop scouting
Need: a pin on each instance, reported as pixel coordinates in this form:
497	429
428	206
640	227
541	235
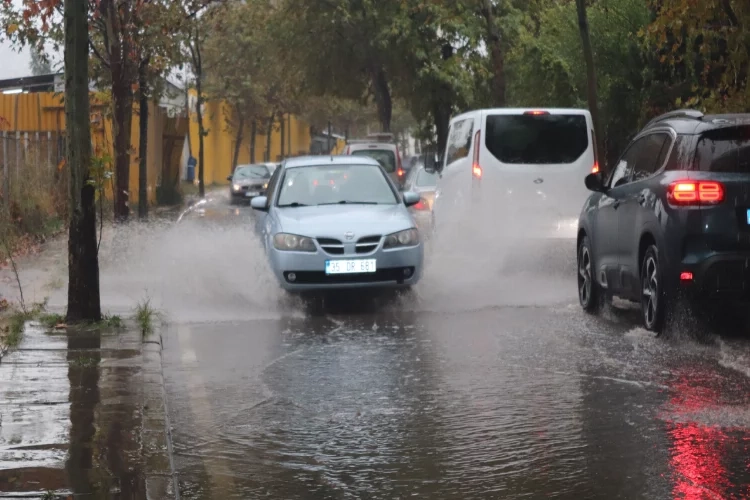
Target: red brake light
315	182
421	205
400	172
536	112
686	276
695	193
476	169
595	168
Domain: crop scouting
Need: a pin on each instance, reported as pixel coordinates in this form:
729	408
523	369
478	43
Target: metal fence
30	160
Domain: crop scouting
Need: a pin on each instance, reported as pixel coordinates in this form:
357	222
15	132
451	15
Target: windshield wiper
295	204
347	202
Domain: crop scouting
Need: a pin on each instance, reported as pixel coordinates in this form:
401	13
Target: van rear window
386	158
536	139
724	150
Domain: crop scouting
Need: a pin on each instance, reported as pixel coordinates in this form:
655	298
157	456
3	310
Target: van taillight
476	169
595	168
690	192
536	112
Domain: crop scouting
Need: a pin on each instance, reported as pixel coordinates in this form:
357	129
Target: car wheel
653	298
589	293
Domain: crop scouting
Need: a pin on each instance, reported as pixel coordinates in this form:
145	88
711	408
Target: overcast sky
14	65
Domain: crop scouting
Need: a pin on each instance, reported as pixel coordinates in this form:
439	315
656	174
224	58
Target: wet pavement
476	386
82	414
480	384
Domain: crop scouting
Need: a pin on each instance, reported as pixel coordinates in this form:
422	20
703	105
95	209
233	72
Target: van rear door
534	163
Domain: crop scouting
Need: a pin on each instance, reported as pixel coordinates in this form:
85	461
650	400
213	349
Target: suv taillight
691	193
476	169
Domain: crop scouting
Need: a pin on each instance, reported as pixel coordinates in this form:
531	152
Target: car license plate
350	266
250	194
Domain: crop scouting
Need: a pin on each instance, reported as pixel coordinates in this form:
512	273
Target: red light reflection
699	452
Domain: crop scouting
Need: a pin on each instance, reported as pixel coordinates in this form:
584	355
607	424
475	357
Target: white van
520	171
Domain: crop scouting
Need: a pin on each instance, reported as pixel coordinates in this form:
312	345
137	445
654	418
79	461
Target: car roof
520	111
369	145
321	160
691	122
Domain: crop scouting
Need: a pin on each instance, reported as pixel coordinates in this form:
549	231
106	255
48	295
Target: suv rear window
385	157
536	139
724	150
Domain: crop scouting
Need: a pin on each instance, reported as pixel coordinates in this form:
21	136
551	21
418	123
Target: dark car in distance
672	218
249	181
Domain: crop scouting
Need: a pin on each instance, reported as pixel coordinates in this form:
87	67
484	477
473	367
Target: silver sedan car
332	222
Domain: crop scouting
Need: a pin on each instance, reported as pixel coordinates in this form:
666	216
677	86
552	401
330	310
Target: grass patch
51	320
145	316
112	321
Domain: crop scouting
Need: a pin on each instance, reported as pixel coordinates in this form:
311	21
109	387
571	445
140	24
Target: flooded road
477	386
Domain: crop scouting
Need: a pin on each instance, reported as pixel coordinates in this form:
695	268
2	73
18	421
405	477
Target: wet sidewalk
82	414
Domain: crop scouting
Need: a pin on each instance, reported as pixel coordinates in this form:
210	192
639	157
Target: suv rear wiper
346	202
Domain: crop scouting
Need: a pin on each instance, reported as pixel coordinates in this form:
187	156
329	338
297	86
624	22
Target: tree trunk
238	142
122	99
269	131
253	133
83	261
382	98
201	135
282	134
588	55
497	57
143	140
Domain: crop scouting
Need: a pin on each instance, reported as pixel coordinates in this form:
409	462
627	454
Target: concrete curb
158	454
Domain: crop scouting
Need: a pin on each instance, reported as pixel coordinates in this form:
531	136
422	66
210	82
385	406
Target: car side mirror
594	183
229	178
260	203
411	198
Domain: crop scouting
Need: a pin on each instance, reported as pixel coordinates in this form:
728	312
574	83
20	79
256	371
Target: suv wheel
653	298
589	294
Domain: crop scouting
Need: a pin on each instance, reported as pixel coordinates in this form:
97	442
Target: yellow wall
45	112
220	141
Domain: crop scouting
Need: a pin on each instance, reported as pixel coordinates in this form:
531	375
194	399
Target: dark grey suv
672	216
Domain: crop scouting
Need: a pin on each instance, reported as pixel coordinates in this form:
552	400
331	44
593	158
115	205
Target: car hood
334	221
250	182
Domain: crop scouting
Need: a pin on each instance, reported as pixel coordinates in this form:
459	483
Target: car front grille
398	274
367	244
331	246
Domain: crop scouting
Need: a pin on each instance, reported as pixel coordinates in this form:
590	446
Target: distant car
338	222
382	148
249	181
672	217
521	168
420	181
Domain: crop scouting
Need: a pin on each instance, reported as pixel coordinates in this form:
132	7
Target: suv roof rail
678	113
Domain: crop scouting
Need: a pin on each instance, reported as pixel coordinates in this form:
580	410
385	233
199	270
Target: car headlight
236	187
293	242
407	238
265	186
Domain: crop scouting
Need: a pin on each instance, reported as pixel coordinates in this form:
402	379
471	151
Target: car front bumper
401	267
242	193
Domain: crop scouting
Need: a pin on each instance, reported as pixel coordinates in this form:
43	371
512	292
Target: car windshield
252	172
385	157
426	179
725	150
537	139
335	184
